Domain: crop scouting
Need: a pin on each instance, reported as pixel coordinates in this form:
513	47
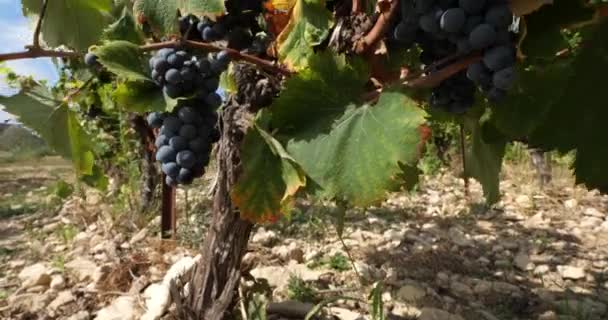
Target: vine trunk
217	275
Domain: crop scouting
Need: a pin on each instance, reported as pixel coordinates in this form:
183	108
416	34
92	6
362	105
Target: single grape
208	34
152	61
155	119
187	115
90	59
188	131
223	57
172	90
173	76
429	24
213	100
161	140
175	60
452	20
499	16
503	37
187	86
167	133
202	25
161	65
476	71
217	67
187	74
211	84
504	78
165	154
472	6
178	143
186	159
499	58
482	36
185	176
170	168
203	66
404	32
199	145
202	159
219	30
165	52
173	124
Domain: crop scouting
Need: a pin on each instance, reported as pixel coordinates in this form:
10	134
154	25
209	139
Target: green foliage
484	158
308	27
63	189
40	110
139	97
123	58
73	23
300	290
376	303
339	262
269	179
125	28
576	119
160	15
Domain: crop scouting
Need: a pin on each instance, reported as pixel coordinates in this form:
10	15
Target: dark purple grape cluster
445	28
184	140
183	75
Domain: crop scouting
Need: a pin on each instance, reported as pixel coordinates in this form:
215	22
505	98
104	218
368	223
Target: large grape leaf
484	158
124	59
73	23
39	110
139	97
358	160
577	120
308	27
202	7
161	15
318	94
125	28
269	179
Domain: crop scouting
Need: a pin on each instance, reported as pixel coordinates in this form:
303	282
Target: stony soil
538	254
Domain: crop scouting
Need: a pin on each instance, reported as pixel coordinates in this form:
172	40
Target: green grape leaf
408	178
544	28
125	28
529	102
308	27
73	23
333	82
577	119
39	110
358	159
202	7
123	58
484	159
269	179
139	97
161	15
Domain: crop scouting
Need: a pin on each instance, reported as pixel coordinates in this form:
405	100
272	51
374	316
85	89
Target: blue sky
17	32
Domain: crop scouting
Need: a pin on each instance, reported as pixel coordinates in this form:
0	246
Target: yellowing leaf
269	179
309	26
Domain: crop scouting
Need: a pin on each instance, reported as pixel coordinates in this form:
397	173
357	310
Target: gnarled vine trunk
217	276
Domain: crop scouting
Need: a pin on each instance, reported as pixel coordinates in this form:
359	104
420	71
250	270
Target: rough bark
216	278
149	177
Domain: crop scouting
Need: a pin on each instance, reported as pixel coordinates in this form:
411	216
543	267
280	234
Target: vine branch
36	40
378	30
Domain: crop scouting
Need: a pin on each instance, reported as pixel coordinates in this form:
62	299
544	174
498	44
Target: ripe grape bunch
184	140
181	74
446	28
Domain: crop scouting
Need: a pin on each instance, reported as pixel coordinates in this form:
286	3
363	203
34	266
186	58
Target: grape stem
434	79
36	39
234	54
378	30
